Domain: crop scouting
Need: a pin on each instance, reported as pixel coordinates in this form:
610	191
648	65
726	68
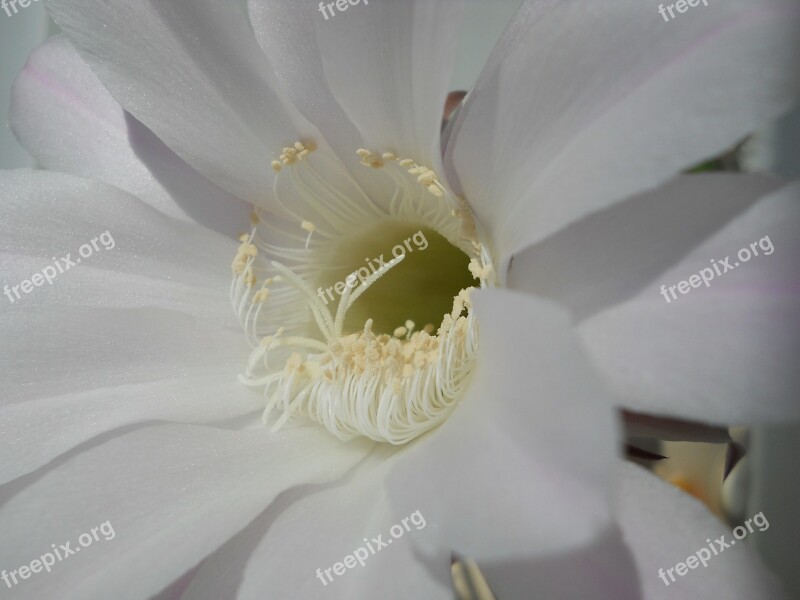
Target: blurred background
767	480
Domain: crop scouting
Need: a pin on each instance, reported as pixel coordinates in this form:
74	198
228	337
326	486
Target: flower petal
520	469
610	256
282	553
147	259
181	487
403	53
69	122
663	526
193	74
286	32
562	124
722	354
601	570
89	371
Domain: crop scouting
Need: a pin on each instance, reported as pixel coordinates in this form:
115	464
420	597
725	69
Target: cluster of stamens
292	154
390	388
424	175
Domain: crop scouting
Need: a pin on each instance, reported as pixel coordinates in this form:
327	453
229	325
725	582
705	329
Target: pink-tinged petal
194	75
664	526
583	105
69	122
725	353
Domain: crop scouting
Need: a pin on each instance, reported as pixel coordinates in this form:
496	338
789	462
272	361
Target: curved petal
123	253
487	483
725	353
520	469
75	373
610	256
286	32
601	570
81	348
664	526
402	53
69	122
562	124
320	530
181	487
194	75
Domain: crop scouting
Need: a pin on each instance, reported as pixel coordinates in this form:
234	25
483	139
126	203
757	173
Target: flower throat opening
420	289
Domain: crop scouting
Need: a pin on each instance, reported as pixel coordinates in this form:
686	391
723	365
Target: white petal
69	122
521	467
664	526
610	256
724	353
387	65
601	570
80	348
322	529
286	31
36	431
75	373
563	124
148	260
194	74
185	489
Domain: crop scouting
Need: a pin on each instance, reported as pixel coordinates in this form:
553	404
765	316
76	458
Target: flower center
359	310
420	289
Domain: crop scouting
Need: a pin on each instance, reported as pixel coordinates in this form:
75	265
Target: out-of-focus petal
601	570
664	526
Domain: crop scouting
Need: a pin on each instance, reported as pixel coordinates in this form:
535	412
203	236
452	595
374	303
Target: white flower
125	405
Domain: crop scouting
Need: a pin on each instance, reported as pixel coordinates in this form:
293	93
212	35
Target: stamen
389	388
310	228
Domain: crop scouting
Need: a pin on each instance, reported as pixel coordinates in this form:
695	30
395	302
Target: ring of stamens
389	388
